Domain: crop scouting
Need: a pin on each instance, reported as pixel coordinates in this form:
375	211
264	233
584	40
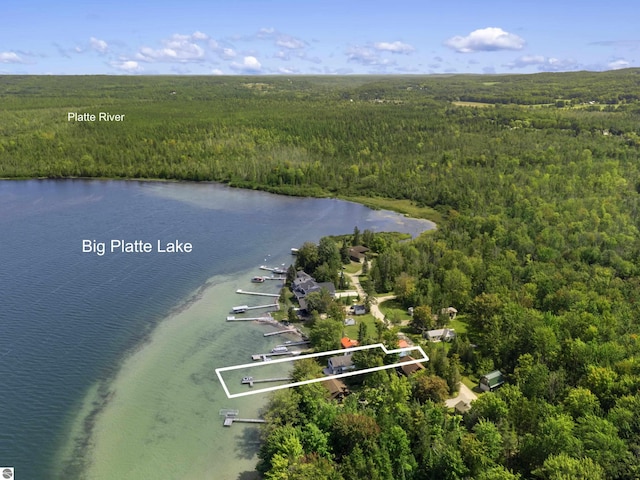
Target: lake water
107	361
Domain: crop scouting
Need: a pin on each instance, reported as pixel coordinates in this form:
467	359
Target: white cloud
367	56
287	71
287	41
486	40
128	66
10	57
543	64
618	64
249	64
177	48
99	45
228	53
199	36
217	71
394	47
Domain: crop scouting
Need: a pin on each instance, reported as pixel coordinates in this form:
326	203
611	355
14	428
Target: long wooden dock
281	278
264	356
250	380
243	308
228	421
258	293
233	318
293	344
280	332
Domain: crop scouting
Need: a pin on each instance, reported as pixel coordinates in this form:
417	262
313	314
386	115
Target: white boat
240	309
257	279
280	349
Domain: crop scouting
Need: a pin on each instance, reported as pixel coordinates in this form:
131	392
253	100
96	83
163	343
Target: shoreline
374	203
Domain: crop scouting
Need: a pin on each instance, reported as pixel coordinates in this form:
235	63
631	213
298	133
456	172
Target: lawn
459	324
394	311
351	331
353	267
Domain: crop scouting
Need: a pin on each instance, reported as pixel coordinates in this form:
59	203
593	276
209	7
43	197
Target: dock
265	356
258	293
276	270
280	332
281	278
231	416
250	380
244	308
293	344
233	318
228	421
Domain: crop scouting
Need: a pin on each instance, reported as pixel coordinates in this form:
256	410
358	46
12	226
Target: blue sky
200	37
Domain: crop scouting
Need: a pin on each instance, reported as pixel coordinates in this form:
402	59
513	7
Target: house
337	389
440	335
340	364
491	381
304	284
357	253
359	310
349	321
411	368
346	342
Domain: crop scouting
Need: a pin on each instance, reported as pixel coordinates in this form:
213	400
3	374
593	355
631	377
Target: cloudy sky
204	37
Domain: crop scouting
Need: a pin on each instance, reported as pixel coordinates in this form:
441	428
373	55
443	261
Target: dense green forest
537	182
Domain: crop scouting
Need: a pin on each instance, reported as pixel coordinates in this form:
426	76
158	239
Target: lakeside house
304	284
340	364
440	335
491	381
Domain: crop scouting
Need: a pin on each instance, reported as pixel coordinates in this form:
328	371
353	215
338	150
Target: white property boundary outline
219	371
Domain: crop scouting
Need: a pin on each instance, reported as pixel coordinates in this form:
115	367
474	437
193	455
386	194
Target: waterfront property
340	364
304	284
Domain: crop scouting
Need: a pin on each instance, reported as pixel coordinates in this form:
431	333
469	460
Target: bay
107	360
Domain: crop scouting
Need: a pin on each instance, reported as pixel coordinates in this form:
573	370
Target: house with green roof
491	381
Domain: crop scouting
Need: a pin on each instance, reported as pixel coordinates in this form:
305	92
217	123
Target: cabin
336	388
349	321
340	364
491	381
411	368
462	407
357	253
440	335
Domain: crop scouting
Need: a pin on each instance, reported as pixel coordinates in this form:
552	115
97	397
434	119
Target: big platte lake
107	361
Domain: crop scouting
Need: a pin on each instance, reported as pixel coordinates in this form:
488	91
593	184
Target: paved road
465	395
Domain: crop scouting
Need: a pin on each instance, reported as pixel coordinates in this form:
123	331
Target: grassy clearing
406	207
394	311
353	267
458	324
351	331
473	104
